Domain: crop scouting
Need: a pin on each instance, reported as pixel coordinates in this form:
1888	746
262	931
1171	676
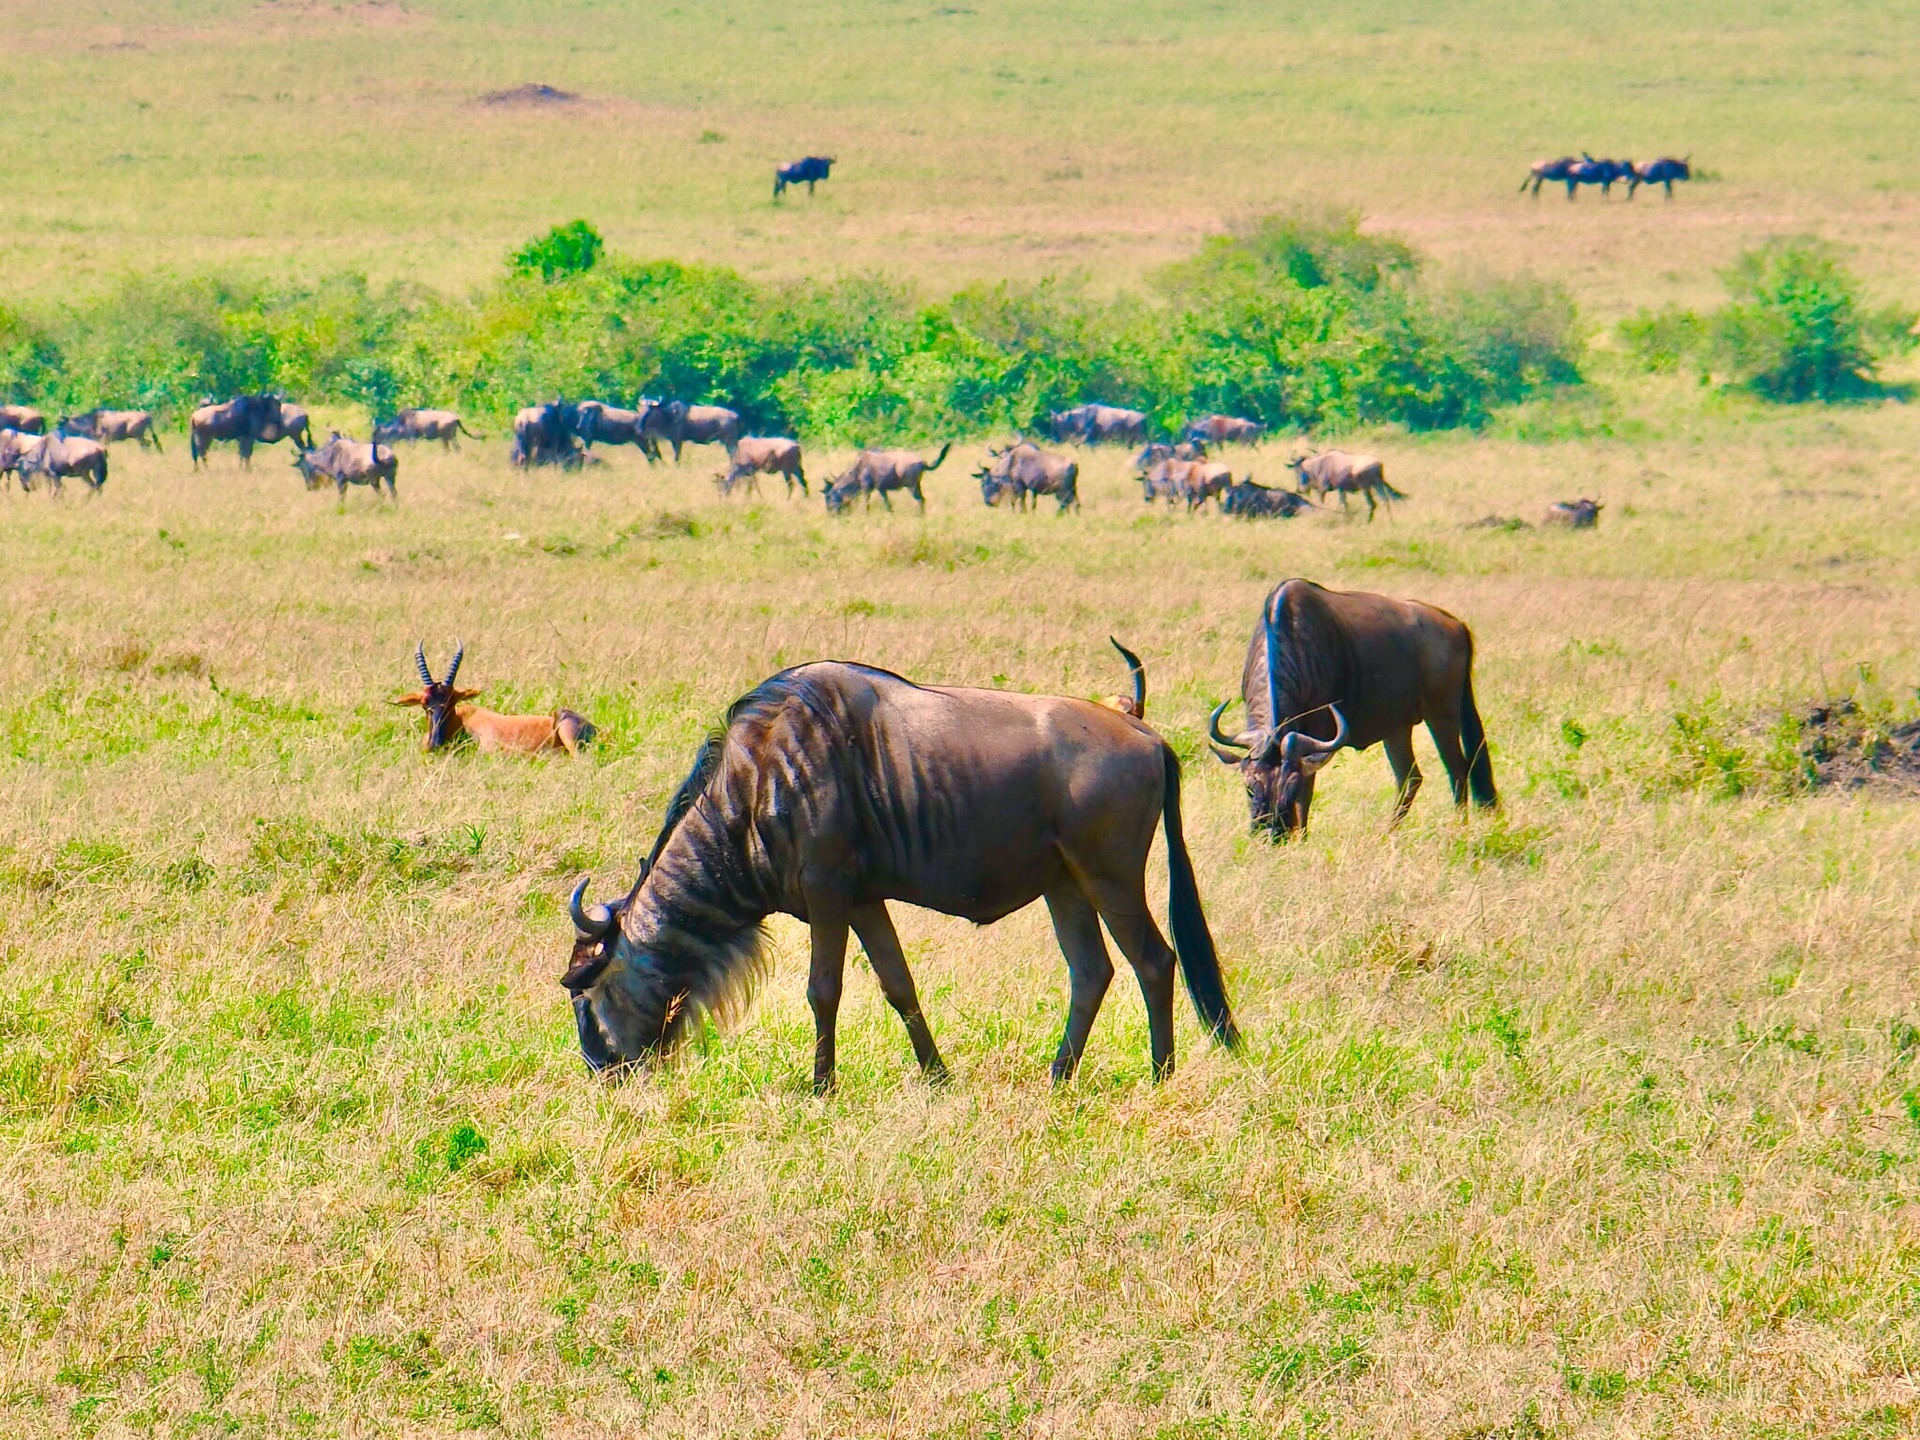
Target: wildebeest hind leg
1406	772
1076	925
1124	908
1445	730
824	981
877	937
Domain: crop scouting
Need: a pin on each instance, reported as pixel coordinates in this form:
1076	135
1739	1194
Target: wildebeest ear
586	972
418	697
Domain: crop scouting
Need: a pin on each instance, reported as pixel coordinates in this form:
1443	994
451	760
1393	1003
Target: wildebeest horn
1242	741
420	662
1300	747
590	920
459	651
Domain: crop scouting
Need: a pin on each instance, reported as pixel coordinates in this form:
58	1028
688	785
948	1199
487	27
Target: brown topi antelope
449	717
837	787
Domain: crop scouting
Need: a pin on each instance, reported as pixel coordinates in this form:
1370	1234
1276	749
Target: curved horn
1300	746
589	920
459	651
420	662
1242	741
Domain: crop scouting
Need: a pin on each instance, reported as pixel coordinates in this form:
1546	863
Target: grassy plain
1598	1118
984	139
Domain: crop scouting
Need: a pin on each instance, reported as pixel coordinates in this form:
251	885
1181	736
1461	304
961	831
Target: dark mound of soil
1845	746
529	94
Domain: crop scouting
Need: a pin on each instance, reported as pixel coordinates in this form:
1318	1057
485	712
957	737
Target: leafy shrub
566	249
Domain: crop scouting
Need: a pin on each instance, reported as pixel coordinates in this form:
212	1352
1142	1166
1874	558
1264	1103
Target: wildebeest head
1278	764
609	1019
437	697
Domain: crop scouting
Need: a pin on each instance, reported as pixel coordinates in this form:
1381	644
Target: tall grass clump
1299	322
1796	328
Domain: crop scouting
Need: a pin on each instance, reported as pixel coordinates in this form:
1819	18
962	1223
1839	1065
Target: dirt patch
530	95
1511	524
1847	746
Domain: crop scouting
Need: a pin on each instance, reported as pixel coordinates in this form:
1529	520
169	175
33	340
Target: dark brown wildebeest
441	425
879	472
349	462
1225	430
679	423
1249	501
1337	472
60	457
239	420
755	456
1589	171
835	788
1023	470
1575	514
543	435
1099	425
1152	454
594	422
1328	668
23	418
1543	171
810	172
111	426
449	717
1663	172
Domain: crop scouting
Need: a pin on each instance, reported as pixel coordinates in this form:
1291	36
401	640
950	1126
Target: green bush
568	249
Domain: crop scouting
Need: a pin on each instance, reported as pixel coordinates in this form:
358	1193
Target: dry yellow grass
1594	1119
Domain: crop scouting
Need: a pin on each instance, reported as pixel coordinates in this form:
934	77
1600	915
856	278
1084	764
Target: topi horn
459	651
420	662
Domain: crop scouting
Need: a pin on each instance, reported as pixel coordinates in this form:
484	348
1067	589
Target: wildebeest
879	472
1099	425
1193	481
1543	171
247	420
449	717
679	423
24	418
595	423
809	171
1333	668
757	455
1589	171
1337	472
441	425
15	448
1023	470
835	788
110	426
1575	514
1152	454
1225	430
543	435
1663	172
349	462
1249	501
60	457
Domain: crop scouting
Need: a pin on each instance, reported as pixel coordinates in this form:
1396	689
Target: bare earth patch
530	94
1846	747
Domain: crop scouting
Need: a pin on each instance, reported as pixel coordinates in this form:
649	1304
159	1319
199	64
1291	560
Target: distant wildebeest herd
1573	171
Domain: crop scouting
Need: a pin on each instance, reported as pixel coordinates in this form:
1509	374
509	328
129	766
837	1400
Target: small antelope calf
449	717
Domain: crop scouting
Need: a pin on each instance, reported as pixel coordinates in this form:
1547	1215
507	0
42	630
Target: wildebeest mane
1302	660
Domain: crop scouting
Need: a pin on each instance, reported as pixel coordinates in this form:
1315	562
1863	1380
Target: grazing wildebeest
109	426
835	788
1023	470
1575	514
755	456
15	448
879	472
594	422
679	423
1543	171
59	457
1225	430
24	418
1663	172
810	171
1335	471
1249	501
449	717
349	462
543	435
1099	425
1328	668
441	425
1152	454
1589	171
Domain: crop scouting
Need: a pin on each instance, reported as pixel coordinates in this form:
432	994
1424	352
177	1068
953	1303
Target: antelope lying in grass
449	717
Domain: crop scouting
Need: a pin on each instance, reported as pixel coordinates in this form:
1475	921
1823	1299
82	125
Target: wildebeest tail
1473	739
1389	491
941	457
1192	941
461	426
1139	674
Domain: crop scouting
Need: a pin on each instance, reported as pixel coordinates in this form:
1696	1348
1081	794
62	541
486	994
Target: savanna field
1595	1117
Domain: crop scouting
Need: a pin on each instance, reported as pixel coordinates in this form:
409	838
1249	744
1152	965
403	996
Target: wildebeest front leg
877	936
1076	924
824	981
1406	772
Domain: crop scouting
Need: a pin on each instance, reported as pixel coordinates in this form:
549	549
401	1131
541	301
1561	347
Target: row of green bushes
1301	323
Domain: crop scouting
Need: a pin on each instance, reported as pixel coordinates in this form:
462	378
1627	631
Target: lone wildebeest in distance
1224	430
1332	668
757	455
1543	172
1023	470
879	472
835	788
349	462
1662	172
680	424
449	717
441	425
1337	472
1099	425
809	171
1248	501
247	420
543	435
112	426
60	458
1575	514
24	418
